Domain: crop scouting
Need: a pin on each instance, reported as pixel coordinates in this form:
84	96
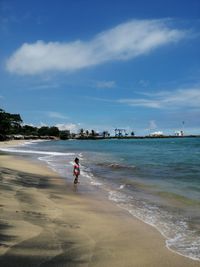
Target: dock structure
120	132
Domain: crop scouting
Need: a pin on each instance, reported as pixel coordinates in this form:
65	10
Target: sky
102	64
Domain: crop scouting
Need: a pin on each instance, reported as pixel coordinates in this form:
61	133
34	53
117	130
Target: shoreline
128	137
111	235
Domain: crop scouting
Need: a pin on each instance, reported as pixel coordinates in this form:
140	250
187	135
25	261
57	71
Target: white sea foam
179	238
32	142
55	160
61	163
86	172
96	183
35	152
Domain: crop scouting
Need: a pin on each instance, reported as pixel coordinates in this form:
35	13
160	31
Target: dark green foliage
9	123
29	130
43	131
54	131
64	135
48	131
10	127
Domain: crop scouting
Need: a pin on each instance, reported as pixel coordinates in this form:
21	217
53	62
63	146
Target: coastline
46	222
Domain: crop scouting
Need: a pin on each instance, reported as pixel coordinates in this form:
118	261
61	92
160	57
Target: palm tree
93	133
81	132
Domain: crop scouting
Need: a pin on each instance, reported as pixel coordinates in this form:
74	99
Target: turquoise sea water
155	180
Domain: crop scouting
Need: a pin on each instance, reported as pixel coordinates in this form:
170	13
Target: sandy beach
48	222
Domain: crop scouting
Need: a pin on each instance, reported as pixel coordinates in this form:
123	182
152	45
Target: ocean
155	180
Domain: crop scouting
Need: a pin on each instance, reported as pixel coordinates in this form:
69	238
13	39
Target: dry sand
47	222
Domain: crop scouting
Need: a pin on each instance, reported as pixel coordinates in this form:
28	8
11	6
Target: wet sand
48	222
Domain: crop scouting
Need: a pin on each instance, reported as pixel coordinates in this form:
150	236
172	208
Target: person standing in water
76	171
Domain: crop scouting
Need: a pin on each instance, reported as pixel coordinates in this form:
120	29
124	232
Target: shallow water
156	180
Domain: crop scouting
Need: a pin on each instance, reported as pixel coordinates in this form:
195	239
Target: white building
179	133
158	133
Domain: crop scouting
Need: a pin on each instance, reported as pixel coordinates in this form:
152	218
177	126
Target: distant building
159	133
179	133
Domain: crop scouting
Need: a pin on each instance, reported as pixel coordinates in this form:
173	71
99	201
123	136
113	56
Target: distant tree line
11	124
85	134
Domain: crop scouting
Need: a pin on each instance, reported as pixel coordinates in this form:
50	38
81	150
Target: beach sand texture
46	222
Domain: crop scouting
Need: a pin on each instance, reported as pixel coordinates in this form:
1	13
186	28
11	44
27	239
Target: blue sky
102	64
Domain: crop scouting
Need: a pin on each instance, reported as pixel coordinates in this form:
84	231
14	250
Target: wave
117	166
180	238
52	153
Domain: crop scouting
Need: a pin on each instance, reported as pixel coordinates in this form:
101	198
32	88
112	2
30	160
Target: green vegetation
11	127
9	123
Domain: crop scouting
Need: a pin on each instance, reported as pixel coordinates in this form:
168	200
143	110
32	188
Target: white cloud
56	115
61	126
68	126
41	124
152	125
123	42
105	84
169	99
141	102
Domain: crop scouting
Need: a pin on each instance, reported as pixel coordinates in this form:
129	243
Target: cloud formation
105	84
72	127
56	115
181	98
152	125
123	42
